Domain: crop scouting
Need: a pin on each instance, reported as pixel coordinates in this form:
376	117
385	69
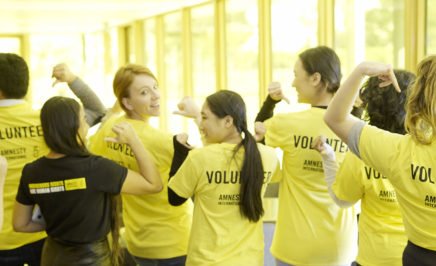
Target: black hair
60	121
14	76
228	103
385	107
325	61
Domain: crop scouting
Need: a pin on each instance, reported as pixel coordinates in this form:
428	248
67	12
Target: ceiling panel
34	16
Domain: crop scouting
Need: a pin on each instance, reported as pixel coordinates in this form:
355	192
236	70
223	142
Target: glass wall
10	45
203	60
93	70
150	44
47	50
173	70
243	52
369	30
292	31
431	28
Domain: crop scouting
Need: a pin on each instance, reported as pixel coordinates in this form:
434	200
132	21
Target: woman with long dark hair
227	180
76	190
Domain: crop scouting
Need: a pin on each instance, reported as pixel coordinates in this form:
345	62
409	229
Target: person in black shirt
77	191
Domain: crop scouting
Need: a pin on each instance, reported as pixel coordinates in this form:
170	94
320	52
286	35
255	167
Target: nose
156	94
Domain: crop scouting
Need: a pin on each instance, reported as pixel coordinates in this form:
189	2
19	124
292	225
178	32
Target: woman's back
408	165
220	234
73	193
321	232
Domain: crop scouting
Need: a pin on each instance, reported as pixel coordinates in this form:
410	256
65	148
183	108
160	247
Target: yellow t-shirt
220	236
311	229
408	165
154	228
381	231
21	141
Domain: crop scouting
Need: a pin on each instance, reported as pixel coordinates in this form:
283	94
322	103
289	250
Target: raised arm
275	95
148	179
94	108
338	116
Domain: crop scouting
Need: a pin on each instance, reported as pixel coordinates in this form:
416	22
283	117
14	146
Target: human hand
319	144
259	131
182	138
62	73
125	134
276	93
188	108
385	73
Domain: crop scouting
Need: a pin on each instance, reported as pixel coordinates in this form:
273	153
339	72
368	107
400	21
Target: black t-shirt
73	194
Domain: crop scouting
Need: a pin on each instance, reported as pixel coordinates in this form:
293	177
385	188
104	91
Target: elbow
18	227
157	188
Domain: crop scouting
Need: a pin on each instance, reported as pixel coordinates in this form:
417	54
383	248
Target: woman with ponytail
76	190
227	180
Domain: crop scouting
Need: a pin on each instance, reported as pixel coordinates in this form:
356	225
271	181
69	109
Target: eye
144	92
156	87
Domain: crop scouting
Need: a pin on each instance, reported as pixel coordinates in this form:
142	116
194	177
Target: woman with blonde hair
406	160
156	233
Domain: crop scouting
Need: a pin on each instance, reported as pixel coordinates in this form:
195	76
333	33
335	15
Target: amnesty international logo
58	186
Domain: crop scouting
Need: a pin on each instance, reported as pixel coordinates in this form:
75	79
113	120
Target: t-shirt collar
11	102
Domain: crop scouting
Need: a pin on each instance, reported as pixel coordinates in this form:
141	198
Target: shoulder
266	150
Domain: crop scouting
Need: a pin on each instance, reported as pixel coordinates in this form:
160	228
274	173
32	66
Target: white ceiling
45	16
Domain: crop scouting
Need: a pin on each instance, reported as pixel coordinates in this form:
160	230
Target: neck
233	138
54	155
136	116
323	100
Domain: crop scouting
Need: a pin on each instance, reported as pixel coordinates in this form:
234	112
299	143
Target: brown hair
124	78
420	108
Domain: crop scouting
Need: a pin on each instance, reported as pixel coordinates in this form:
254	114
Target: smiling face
305	84
212	127
143	99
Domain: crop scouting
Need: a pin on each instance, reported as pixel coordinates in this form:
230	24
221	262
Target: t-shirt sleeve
378	147
272	135
348	183
277	175
184	182
23	193
110	176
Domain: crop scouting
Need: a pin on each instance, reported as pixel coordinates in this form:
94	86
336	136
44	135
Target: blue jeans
176	261
281	263
30	254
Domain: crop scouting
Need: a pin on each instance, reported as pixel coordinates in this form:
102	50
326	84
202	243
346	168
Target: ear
228	121
315	78
126	103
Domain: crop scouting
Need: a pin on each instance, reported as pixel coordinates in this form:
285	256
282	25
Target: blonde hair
420	119
124	78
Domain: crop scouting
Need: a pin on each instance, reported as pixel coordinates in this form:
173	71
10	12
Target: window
293	30
10	45
369	30
431	28
242	53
